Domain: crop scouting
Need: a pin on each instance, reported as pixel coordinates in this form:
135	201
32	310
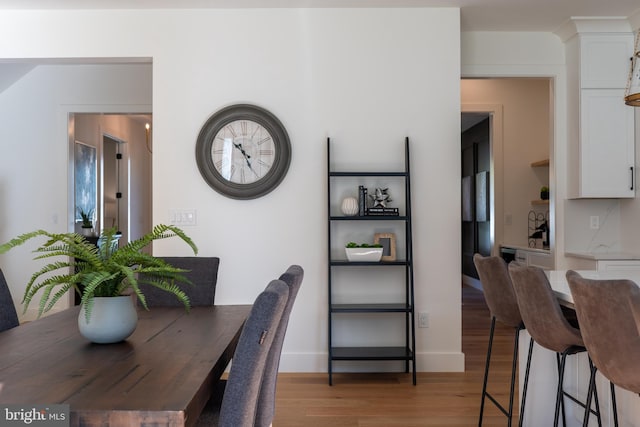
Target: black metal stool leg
486	369
514	369
590	392
614	404
595	393
526	383
560	392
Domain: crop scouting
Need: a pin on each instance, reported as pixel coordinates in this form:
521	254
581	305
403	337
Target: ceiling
475	15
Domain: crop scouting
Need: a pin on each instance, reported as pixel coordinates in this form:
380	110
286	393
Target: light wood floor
390	400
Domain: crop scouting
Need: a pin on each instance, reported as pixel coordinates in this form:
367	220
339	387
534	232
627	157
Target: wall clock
243	151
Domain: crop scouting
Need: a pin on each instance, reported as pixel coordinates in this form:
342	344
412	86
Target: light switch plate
182	217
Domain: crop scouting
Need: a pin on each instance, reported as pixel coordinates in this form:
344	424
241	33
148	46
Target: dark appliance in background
508	254
476	195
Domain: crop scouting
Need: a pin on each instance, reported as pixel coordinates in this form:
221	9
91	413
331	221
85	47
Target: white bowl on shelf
364	254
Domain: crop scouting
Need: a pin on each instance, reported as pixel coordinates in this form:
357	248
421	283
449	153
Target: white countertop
543	385
559	284
596	256
525	248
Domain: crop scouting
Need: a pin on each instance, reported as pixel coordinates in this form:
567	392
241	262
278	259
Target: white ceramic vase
113	319
349	206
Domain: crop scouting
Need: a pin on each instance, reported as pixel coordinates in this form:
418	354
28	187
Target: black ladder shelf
405	308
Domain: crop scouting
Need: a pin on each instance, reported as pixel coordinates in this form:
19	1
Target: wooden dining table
162	375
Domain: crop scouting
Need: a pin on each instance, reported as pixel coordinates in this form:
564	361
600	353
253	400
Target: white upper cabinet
606	144
601	134
604	60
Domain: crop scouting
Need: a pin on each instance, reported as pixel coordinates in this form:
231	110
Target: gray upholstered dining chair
8	315
265	409
239	401
502	303
548	328
203	274
267	399
608	312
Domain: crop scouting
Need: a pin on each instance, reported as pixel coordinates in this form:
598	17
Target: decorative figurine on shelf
380	198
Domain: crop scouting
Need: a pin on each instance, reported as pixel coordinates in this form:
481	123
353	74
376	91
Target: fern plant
105	270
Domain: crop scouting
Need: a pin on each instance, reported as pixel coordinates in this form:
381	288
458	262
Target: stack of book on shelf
382	211
364	210
362	200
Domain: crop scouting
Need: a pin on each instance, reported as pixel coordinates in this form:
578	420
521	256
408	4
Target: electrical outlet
423	319
594	222
508	219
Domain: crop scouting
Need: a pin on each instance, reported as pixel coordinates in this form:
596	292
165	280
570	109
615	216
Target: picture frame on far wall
85	178
388	242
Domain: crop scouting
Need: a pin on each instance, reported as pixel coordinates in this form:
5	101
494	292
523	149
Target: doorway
124	169
521	132
115	186
476	189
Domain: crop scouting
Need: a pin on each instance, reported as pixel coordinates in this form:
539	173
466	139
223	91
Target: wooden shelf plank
371	308
371	353
540	163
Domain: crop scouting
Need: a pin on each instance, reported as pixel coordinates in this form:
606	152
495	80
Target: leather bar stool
609	316
502	303
549	328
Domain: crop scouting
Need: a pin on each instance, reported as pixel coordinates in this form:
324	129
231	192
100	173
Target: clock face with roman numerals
243	151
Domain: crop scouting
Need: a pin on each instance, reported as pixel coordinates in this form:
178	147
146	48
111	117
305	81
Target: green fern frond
48	285
17	241
59	294
32	287
168	287
102	270
140	295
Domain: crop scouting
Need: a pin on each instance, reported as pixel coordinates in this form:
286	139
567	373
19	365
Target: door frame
121	184
66	118
496	180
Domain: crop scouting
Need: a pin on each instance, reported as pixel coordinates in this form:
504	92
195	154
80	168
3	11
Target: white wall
366	77
35	177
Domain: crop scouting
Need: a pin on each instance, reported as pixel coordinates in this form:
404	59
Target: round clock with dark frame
243	151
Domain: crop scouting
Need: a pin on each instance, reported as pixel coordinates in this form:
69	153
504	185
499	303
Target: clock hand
244	153
246	157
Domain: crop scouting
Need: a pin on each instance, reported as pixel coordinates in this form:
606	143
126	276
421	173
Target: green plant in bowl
87	218
363	252
544	193
105	270
362	245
